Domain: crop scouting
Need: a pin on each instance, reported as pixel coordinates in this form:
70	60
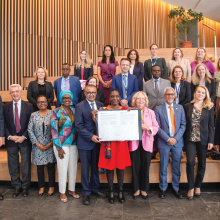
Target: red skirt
120	156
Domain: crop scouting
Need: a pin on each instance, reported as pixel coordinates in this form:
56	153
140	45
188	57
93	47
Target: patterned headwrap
64	92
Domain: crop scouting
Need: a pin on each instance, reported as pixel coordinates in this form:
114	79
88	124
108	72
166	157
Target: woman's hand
216	148
129	109
61	153
145	127
210	146
105	85
40	146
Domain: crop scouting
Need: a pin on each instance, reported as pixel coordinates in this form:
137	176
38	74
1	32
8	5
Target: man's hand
172	141
124	102
20	139
14	138
1	141
95	139
210	146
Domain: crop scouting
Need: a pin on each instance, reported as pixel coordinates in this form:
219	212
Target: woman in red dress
114	154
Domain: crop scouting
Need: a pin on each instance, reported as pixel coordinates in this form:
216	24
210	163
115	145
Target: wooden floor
212	171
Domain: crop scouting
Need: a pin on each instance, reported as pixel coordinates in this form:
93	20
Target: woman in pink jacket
141	151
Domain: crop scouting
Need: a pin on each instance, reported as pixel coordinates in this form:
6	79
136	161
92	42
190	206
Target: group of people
175	112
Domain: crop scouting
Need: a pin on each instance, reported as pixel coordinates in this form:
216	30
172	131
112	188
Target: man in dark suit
67	82
88	144
172	125
126	83
18	113
1	131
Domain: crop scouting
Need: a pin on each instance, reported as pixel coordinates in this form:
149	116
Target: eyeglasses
169	94
42	102
65	69
90	93
66	98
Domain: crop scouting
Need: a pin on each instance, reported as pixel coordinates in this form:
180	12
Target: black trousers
51	175
13	165
191	149
110	177
140	160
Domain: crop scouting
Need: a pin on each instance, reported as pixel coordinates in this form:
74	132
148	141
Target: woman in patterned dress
107	68
39	131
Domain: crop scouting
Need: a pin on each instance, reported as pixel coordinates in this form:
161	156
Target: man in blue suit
88	143
67	82
172	123
126	83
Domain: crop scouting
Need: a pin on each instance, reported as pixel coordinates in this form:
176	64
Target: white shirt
169	119
95	106
131	69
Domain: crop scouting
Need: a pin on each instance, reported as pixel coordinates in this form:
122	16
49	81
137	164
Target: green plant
184	20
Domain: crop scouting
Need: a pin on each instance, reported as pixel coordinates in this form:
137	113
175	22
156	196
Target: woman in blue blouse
64	144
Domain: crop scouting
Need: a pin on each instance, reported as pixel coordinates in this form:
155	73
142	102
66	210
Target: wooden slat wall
50	32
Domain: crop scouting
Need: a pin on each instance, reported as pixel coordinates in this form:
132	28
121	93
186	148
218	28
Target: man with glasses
88	143
67	82
172	125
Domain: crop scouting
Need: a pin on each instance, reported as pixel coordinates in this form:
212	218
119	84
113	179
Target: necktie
156	87
17	121
172	119
92	106
125	86
125	80
66	84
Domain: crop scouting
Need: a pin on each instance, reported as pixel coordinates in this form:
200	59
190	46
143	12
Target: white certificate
119	125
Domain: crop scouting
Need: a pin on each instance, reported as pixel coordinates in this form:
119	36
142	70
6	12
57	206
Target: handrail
214	38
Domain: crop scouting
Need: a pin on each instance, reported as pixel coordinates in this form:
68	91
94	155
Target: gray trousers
13	165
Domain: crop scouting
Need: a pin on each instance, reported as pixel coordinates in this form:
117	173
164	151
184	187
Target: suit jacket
139	73
26	110
153	99
164	132
217	129
85	126
210	86
132	86
184	93
1	119
206	124
33	93
147	139
87	72
75	88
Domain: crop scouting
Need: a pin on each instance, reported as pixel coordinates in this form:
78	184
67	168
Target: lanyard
177	90
152	61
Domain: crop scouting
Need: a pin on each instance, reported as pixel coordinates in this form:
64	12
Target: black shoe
16	193
111	196
144	197
197	195
162	194
135	197
1	197
121	197
25	193
177	194
86	200
99	194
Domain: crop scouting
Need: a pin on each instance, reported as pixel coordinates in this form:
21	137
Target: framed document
119	125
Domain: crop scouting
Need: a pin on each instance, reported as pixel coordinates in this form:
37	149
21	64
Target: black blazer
99	97
33	93
185	92
87	72
206	124
139	72
26	110
210	86
1	119
217	129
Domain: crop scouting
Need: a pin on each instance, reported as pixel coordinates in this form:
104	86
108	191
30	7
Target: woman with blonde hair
141	151
177	60
199	137
201	57
40	87
84	68
201	76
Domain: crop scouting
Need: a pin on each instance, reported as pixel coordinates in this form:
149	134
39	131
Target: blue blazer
164	132
132	86
75	88
139	73
85	126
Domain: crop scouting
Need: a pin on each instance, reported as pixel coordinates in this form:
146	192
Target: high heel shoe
41	193
197	195
111	196
121	197
190	197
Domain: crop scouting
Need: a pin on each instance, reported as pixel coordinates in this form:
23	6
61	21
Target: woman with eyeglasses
64	144
39	131
40	87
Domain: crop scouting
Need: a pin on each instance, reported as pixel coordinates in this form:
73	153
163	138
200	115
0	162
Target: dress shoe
121	197
177	194
135	197
144	197
16	193
1	197
99	194
162	194
25	193
190	197
111	196
197	195
86	200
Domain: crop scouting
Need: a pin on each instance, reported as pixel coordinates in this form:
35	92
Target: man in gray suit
154	88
